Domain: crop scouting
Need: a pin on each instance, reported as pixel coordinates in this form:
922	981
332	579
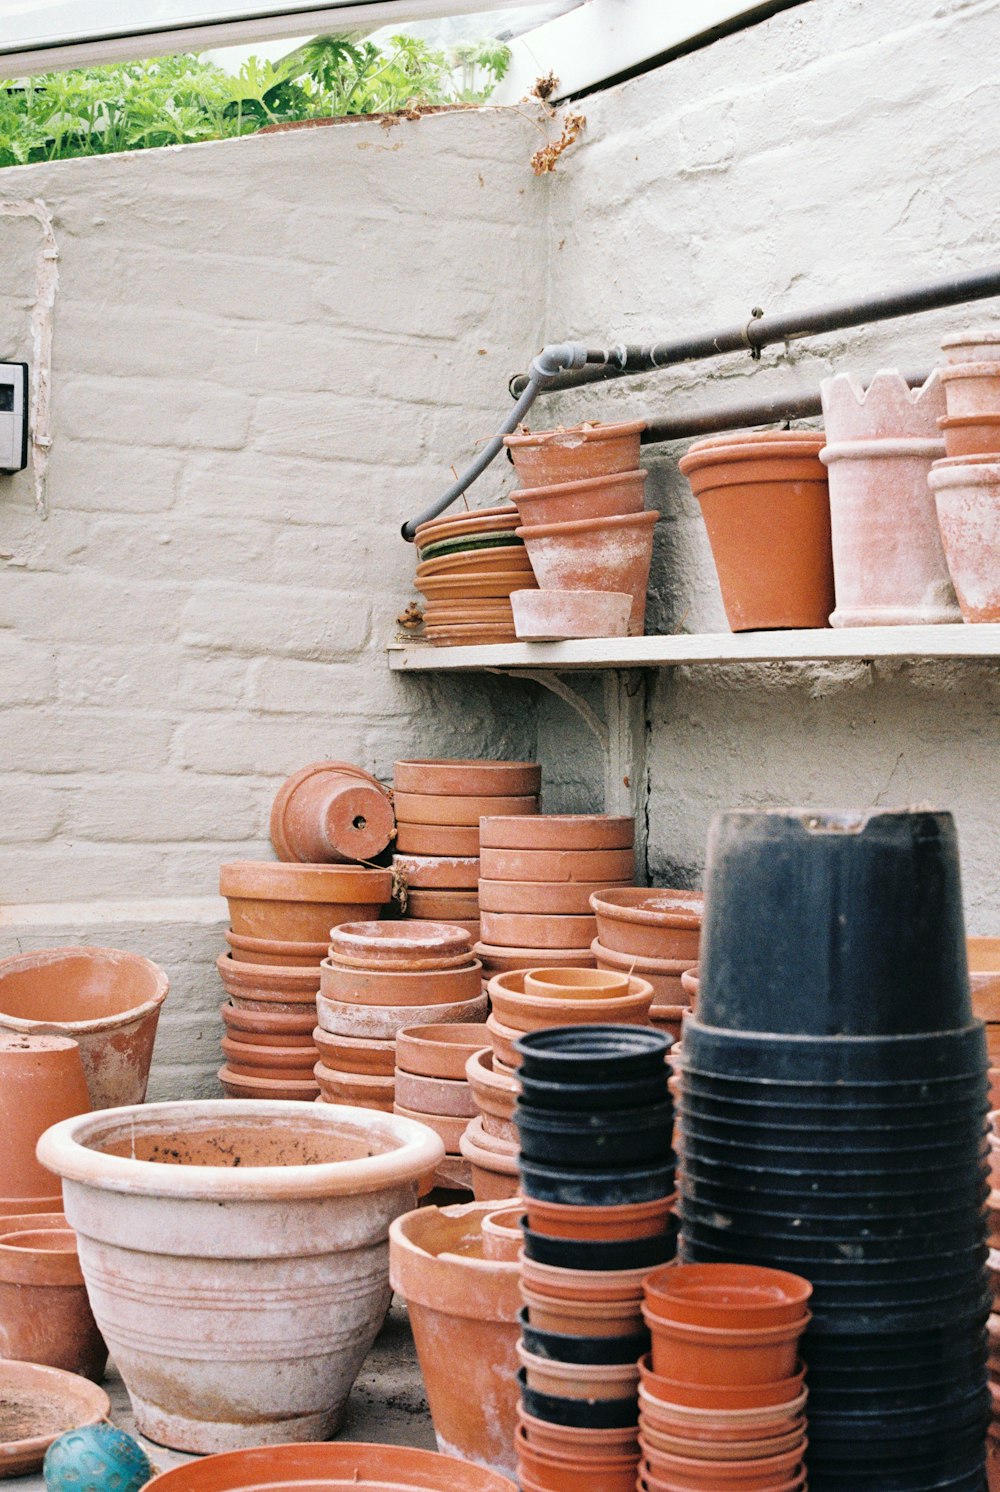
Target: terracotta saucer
37	1405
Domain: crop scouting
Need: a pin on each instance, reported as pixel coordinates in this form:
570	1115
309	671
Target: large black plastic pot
568	1253
885	1156
885	1433
945	1202
579	1414
825	924
608	1188
602	1139
593	1054
919	1105
951	1052
941	1350
588	1097
821	1260
831	1240
857	1480
764	1125
559	1347
894	1183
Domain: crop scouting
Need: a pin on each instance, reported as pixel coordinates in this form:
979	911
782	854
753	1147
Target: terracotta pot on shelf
555	616
766	504
967	497
437	839
352	1054
433	872
544	457
400	946
106	1001
652	924
495	1173
344	1467
308	1194
45	1316
971	388
272	951
300	903
974	435
331	811
41	1082
593	554
268	987
390	986
465	777
542	930
591	497
440	809
444	906
384	1022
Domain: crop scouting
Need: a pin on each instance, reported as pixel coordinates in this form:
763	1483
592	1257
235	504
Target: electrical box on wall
13	417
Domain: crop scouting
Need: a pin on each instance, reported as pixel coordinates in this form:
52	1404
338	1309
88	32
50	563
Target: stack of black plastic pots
832	1113
595	1122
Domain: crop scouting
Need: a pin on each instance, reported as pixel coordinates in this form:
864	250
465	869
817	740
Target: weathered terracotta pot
41	1081
559	831
444	906
447	1126
272	951
267	1028
979	344
525	930
361	1088
591	497
552	616
554	898
495	1173
384	1022
439	808
300	903
289	1203
502	1233
664	1472
332	1468
973	435
331	811
45	1316
502	960
387	986
443	1096
40	1404
105	1000
557	865
410	944
653	924
502	1039
543	457
596	1445
766	506
472	562
971	388
244	1059
594	554
430	872
495	779
592	1317
268	987
283	1087
984	977
664	974
437	839
495	1095
356	1055
968	509
453	523
567	1380
523	1012
439	1051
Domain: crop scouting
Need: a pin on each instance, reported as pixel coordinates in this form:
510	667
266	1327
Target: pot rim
698	458
964	474
877	449
101	1023
655	966
585	484
284	880
570	527
335	1464
586	431
623	904
982	369
63	1151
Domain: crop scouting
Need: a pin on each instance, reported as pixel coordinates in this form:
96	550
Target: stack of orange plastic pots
721	1395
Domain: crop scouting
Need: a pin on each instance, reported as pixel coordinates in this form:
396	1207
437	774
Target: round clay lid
398	942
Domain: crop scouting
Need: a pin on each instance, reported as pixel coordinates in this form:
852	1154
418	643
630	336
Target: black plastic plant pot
886	1432
873	1180
579	1414
825	924
595	1351
586	1098
884	1157
593	1054
925	1209
611	1188
568	1253
951	1052
603	1139
837	1261
851	1284
856	1480
943	1350
765	1126
891	1393
834	1242
938	1096
876	1320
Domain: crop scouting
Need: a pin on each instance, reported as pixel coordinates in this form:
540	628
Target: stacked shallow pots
439	805
832	1111
595	1121
654	934
966	484
281	918
588	537
467	566
379	978
431	1085
721	1396
536	880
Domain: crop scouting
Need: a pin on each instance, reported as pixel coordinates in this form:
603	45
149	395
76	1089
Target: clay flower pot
596	554
267	1028
272	951
41	1082
282	1086
664	974
400	946
544	457
432	1095
556	1458
567	1380
45	1316
268	987
505	960
354	1054
980	344
766	506
502	1237
439	1051
384	1022
389	986
331	811
465	778
971	388
522	1012
441	809
580	984
463	1309
737	1296
984	977
592	497
40	1404
652	924
300	903
559	831
495	1095
557	865
447	1126
432	840
527	930
333	1468
968	508
288	1202
554	898
107	1001
553	616
361	1088
495	1174
253	1060
443	906
567	1315
432	872
972	435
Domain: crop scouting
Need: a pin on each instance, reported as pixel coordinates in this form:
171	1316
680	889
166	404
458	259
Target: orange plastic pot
714	1356
740	1297
636	1220
723	1397
725	1476
400	987
746	1449
544	457
569	1471
650	924
722	1426
604	1285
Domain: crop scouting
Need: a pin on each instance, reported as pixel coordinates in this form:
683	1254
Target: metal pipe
760	331
780	406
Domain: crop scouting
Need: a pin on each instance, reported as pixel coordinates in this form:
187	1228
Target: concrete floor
387	1406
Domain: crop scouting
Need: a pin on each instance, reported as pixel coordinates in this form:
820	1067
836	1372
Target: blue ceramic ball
96	1458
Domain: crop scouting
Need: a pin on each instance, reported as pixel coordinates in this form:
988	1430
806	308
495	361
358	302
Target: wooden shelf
818	646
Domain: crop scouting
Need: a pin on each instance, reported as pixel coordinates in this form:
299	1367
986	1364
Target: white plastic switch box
13	417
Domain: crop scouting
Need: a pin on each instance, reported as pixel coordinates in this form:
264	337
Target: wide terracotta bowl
652	924
522	1012
440	1051
330	1468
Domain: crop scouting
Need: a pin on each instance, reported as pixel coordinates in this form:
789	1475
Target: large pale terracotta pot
463	1308
967	495
236	1256
105	1000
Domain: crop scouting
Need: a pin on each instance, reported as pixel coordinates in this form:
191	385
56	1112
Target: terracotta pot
495	1175
300	903
437	808
362	1088
715	1356
332	1468
581	984
268	987
435	839
558	898
636	1220
40	1404
331	811
984	977
664	1470
495	1093
525	930
689	984
244	1058
399	945
386	986
384	1022
725	1450
36	1206
502	1039
463	585
604	496
447	1126
502	1235
664	974
669	1019
582	1318
45	1316
522	1012
567	1444
559	831
288	1202
41	1081
552	616
766	507
651	924
543	457
602	1286
439	1051
593	554
734	1296
975	345
504	960
270	951
105	1000
696	1401
444	906
970	388
557	865
502	516
968	509
451	872
280	1028
474	562
566	1380
356	1055
444	1096
464	778
976	435
463	1310
283	1087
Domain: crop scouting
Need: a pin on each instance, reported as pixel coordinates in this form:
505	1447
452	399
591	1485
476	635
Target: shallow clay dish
559	831
551	616
39	1404
328	1468
440	1051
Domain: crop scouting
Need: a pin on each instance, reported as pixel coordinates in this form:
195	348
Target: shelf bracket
569	696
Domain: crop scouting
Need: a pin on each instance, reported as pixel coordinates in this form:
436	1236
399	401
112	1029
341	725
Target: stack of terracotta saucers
654	934
467	566
432	1086
439	805
281	919
535	880
379	978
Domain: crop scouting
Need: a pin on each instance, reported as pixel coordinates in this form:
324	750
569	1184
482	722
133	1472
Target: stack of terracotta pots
489	1142
432	1086
536	879
966	484
766	504
439	804
281	918
722	1391
379	978
588	538
654	934
594	1119
467	566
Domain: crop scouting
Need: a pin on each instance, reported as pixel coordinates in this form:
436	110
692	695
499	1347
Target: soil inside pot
247	1143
